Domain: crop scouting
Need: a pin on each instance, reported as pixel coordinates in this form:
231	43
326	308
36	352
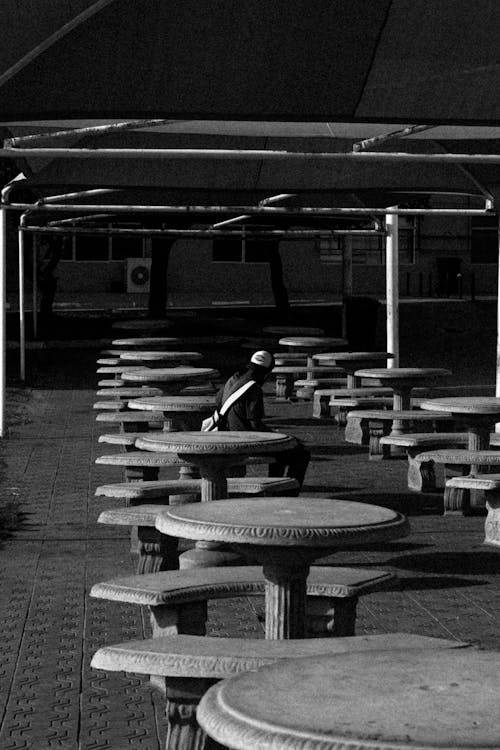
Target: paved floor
49	627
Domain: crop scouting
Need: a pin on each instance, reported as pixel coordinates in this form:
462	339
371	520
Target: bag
211	424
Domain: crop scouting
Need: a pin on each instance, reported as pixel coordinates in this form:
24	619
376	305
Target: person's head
261	364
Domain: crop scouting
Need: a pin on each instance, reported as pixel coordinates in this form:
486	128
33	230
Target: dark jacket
247	413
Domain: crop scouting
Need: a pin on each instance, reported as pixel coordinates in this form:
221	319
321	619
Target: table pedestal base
285	601
209	555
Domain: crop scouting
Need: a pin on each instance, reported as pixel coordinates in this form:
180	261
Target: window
484	239
370	250
91	247
242	250
104	247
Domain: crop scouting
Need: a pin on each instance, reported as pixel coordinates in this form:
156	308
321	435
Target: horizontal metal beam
204	233
245	154
310	211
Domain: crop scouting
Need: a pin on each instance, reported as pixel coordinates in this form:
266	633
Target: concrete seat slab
121	438
147	341
117	369
218	658
488	482
405	414
218	583
461	456
162	488
131	416
426	439
126	393
112	405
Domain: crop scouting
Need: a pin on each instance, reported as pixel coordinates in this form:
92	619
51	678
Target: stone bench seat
323	397
185	666
290	359
286	375
111	383
489	484
340	407
305	389
126	439
367	426
130	419
338	587
457	498
144	491
421	474
117	369
126	393
141	465
319	382
110	405
145	465
109	361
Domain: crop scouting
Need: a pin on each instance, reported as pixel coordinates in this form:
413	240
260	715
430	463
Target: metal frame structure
361	153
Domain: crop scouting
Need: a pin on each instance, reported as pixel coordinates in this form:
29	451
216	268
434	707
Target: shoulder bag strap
235	396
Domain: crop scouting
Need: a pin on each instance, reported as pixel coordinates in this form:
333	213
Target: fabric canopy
309	60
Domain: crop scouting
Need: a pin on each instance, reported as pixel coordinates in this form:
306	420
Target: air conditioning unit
138	274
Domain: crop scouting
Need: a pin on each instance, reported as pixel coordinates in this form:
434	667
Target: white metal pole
3	342
35	285
22	324
392	287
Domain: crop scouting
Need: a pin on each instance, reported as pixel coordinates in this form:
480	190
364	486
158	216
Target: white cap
263	359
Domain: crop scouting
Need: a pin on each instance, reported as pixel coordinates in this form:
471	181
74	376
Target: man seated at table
247	413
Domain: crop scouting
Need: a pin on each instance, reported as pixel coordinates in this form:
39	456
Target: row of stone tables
318	704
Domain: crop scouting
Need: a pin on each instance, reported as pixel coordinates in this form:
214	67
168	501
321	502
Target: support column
3	302
392	286
35	286
22	323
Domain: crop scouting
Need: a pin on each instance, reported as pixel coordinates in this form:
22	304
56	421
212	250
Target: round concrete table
479	415
292	331
402	380
311	345
181	412
171	380
284	535
159	358
146	341
142	324
215	452
397	699
352	361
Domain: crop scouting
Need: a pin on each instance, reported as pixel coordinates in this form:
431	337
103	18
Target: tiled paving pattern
49	627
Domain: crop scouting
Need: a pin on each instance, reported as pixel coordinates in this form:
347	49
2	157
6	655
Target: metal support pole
22	324
392	287
346	280
35	286
3	337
